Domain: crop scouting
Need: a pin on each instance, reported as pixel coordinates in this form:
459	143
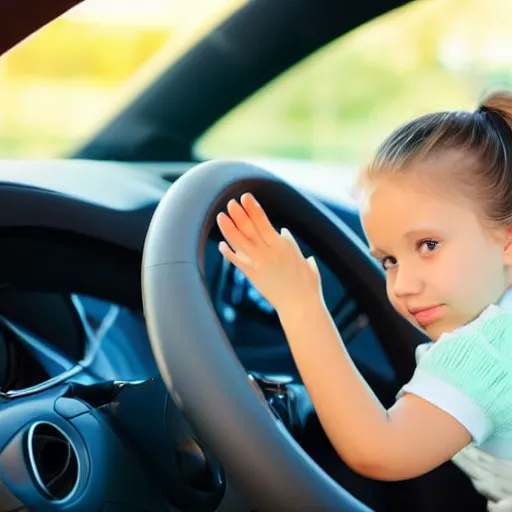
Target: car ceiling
29	16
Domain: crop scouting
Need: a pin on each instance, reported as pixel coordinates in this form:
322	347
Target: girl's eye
427	246
388	262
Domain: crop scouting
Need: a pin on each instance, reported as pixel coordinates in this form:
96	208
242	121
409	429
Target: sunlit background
62	84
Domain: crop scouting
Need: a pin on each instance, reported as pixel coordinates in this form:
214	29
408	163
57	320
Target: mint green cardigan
468	374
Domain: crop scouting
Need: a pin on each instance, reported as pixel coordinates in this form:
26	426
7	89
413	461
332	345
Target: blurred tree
74	50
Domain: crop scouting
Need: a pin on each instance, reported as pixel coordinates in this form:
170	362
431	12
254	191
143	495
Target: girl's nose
406	282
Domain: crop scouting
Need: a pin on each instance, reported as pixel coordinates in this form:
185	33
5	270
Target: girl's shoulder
493	321
473	365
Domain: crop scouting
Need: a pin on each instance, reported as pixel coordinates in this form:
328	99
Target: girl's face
443	267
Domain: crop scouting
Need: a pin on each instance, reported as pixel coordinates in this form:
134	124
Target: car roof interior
30	15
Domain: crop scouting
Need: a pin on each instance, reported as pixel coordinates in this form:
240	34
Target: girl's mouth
428	315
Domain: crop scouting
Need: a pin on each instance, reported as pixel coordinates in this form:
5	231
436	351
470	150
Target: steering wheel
193	353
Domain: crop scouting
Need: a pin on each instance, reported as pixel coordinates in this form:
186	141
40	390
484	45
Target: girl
436	206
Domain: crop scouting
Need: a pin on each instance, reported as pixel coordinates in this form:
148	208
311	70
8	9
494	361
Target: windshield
331	111
62	84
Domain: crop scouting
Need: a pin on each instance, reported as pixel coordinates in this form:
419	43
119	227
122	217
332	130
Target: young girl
437	211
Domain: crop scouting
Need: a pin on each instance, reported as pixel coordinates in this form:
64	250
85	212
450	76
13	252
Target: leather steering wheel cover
194	355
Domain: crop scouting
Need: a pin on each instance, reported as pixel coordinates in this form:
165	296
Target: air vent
54	460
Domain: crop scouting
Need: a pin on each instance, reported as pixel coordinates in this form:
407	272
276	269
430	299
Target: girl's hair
484	136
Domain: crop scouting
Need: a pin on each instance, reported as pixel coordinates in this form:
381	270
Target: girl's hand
272	261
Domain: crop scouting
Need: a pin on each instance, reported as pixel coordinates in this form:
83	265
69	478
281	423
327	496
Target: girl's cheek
392	298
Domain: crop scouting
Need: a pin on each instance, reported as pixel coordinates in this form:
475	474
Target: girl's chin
433	331
437	328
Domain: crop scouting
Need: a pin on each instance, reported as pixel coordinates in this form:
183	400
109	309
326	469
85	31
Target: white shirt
487	461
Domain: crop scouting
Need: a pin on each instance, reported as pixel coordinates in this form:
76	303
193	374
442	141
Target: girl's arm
406	441
411	438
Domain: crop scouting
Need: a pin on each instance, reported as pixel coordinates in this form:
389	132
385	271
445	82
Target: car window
61	84
339	103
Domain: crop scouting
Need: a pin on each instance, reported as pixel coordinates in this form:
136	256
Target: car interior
139	370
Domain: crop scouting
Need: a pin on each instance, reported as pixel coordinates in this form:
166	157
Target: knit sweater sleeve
468	374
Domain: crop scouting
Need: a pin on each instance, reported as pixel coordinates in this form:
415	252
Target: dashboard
71	235
48	335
